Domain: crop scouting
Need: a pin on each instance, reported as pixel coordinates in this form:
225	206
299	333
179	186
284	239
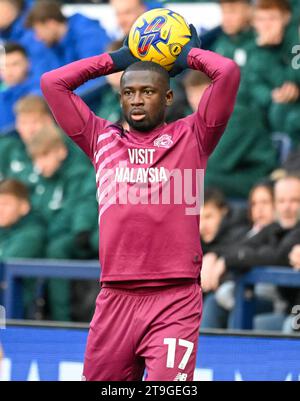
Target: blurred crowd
251	211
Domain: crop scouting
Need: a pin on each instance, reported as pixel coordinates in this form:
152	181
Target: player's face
144	99
11	209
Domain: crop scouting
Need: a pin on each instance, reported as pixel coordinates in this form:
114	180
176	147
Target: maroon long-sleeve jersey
149	184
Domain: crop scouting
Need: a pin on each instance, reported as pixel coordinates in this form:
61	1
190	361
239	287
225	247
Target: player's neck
150	132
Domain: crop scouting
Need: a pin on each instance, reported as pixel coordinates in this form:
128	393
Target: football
159	35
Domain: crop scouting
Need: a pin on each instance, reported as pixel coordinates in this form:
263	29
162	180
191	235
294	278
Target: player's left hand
181	62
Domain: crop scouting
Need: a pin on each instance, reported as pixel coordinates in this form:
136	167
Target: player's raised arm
217	102
69	110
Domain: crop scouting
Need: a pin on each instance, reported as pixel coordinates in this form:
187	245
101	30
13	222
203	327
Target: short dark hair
11	47
216	197
43	11
267	184
15	188
148	66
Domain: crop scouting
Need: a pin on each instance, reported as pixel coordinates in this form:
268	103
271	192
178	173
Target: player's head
145	95
287	200
16	64
9	12
48	151
14	202
127	12
48	21
32	114
270	20
261	204
212	213
195	84
236	15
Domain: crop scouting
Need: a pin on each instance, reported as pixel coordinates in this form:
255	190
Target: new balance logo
180	377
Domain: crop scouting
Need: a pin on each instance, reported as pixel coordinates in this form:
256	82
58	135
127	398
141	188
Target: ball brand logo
150	34
175	49
164	141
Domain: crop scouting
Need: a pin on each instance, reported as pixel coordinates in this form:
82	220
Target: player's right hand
123	57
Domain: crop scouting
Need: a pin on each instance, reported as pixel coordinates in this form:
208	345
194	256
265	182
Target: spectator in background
32	116
17	81
195	83
247	145
22	232
71	222
218	304
270	246
249	150
273	82
69	38
12	29
128	11
220	223
237	37
273	243
12	14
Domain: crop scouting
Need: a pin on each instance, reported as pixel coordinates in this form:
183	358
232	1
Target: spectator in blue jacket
68	38
12	15
12	29
16	82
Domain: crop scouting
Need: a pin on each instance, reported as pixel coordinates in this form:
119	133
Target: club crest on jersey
164	141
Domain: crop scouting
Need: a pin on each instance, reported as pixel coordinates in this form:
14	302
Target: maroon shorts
156	330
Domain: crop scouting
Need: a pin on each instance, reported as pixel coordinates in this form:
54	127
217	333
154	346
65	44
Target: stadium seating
12	271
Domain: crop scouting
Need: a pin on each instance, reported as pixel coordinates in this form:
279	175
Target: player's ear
169	97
